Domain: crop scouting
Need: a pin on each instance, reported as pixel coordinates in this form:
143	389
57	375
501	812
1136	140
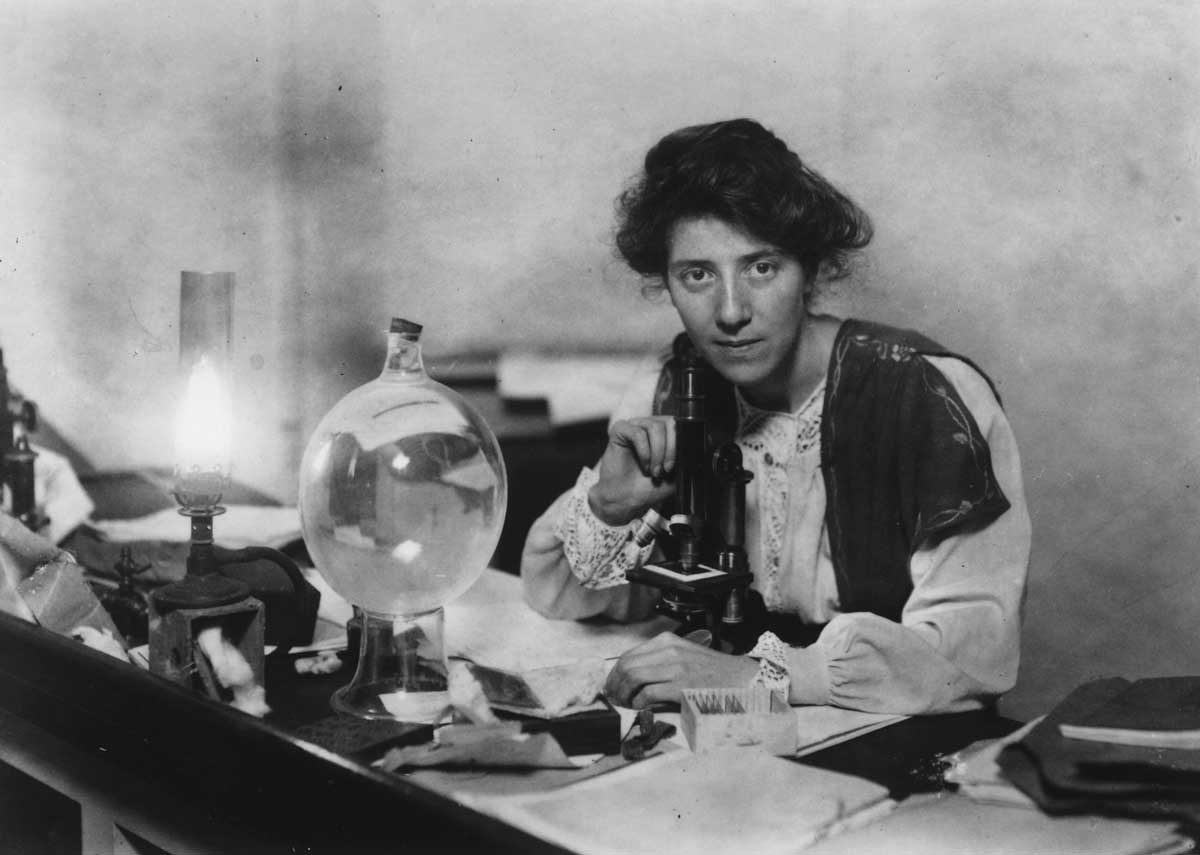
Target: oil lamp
203	453
204	597
402	497
204	428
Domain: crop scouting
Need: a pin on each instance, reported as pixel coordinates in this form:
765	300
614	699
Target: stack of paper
978	776
730	800
823	727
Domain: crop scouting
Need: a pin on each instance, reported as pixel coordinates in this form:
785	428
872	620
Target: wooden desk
191	775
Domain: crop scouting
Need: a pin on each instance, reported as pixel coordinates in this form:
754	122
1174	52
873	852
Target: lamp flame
203	435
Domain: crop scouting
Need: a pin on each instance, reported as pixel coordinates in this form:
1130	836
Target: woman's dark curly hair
741	173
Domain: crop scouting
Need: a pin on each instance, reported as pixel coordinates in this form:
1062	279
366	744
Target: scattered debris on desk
547	692
325	662
100	639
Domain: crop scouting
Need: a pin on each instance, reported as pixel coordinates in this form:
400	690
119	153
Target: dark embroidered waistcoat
903	461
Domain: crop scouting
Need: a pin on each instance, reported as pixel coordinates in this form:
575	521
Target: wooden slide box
725	718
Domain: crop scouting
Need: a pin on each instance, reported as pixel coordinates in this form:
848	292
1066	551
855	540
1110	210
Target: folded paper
62	601
502	745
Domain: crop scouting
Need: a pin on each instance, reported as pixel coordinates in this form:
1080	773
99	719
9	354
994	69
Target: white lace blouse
957	643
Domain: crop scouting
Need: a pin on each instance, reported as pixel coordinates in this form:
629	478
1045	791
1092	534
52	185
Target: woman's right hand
635	471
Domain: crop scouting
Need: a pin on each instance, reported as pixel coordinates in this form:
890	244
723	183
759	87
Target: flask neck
403	360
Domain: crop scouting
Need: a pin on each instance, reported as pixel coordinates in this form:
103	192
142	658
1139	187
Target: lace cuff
598	553
772	656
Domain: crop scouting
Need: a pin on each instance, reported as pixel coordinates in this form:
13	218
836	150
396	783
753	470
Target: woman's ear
666	288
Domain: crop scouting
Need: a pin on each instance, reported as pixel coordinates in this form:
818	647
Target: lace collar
779	435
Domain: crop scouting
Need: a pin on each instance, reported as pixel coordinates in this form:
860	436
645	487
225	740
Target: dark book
1162	712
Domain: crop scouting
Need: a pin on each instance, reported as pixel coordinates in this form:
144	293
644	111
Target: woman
886	518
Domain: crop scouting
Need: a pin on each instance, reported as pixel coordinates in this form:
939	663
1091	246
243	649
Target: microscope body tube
731	517
6	419
691	461
731	524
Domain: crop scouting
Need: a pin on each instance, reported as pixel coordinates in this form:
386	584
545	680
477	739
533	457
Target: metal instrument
18	418
704	586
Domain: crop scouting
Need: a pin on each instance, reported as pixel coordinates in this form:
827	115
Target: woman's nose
733	309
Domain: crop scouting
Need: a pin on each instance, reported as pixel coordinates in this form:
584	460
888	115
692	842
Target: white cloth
58	494
957	643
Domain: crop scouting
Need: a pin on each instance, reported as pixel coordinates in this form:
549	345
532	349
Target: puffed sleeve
573	565
957	644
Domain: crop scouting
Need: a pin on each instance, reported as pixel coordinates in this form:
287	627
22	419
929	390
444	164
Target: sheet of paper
239	526
823	727
978	776
733	800
482	786
472	746
948	824
491	625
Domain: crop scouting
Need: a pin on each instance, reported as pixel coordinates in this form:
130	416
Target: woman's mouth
737	347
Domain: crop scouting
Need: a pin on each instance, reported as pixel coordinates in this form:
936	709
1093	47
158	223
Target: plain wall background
1031	167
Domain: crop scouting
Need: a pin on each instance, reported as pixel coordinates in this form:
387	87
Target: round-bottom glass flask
402	499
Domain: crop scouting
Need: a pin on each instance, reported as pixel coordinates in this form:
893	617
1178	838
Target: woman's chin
740	373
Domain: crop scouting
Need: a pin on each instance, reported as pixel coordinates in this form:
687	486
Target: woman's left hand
659	669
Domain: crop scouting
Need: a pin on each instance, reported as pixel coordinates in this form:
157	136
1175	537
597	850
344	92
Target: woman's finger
653	661
632	435
628	676
660	668
652	440
620	688
656	693
657	433
656	642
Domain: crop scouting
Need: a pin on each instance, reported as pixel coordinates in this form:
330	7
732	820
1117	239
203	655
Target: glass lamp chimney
204	420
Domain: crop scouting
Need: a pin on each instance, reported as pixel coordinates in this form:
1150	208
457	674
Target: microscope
18	418
703	583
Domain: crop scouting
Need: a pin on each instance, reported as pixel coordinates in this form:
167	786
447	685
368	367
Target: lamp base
174	652
401	673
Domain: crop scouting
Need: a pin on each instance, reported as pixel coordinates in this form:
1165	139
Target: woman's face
741	301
